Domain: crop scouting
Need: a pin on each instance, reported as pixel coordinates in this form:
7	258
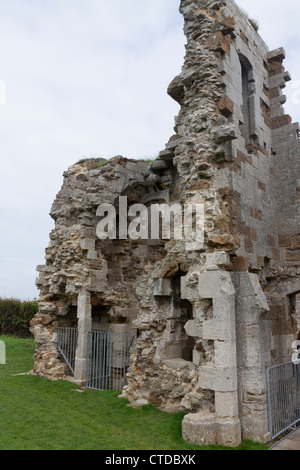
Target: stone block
81	350
255	424
281	121
225	354
240	263
158	165
207	428
169	270
221	43
189	286
197	357
226	404
83	299
250	351
84	325
139	403
171	350
176	89
218	330
229	432
200	428
87	244
162	287
214	284
191	329
92	255
249	331
217	379
226	106
84	308
276	54
252	301
224	133
166	155
216	260
224	309
254	382
80	371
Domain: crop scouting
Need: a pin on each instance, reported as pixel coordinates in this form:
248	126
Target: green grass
38	414
99	161
254	23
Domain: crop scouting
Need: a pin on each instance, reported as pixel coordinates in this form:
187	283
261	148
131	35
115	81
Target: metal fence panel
108	359
67	339
283	390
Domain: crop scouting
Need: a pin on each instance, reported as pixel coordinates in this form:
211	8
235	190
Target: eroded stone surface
207	320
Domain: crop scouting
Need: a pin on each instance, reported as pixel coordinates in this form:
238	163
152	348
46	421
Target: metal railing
283	391
108	359
67	339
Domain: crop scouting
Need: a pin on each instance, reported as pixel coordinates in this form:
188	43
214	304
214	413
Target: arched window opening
248	125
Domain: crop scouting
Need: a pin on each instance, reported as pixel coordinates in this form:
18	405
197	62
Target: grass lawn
37	414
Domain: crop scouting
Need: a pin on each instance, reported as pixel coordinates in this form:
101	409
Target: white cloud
83	78
88	78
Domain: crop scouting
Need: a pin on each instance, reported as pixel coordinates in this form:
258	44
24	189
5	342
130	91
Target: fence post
84	316
297	376
2	353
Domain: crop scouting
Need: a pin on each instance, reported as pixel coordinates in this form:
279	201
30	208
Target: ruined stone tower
207	321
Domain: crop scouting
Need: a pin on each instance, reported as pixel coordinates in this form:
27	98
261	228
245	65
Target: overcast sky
88	78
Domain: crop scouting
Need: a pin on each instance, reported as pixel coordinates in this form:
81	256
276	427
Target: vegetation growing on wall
252	21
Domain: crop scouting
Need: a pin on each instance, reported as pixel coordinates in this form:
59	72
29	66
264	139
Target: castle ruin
207	322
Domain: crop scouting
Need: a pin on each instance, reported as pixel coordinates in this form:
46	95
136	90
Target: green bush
15	316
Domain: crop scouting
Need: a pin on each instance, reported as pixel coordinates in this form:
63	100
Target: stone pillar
251	304
220	376
84	316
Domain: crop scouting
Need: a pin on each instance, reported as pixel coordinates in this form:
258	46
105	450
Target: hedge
15	316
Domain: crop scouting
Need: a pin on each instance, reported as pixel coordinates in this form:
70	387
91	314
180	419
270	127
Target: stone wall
77	262
208	318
